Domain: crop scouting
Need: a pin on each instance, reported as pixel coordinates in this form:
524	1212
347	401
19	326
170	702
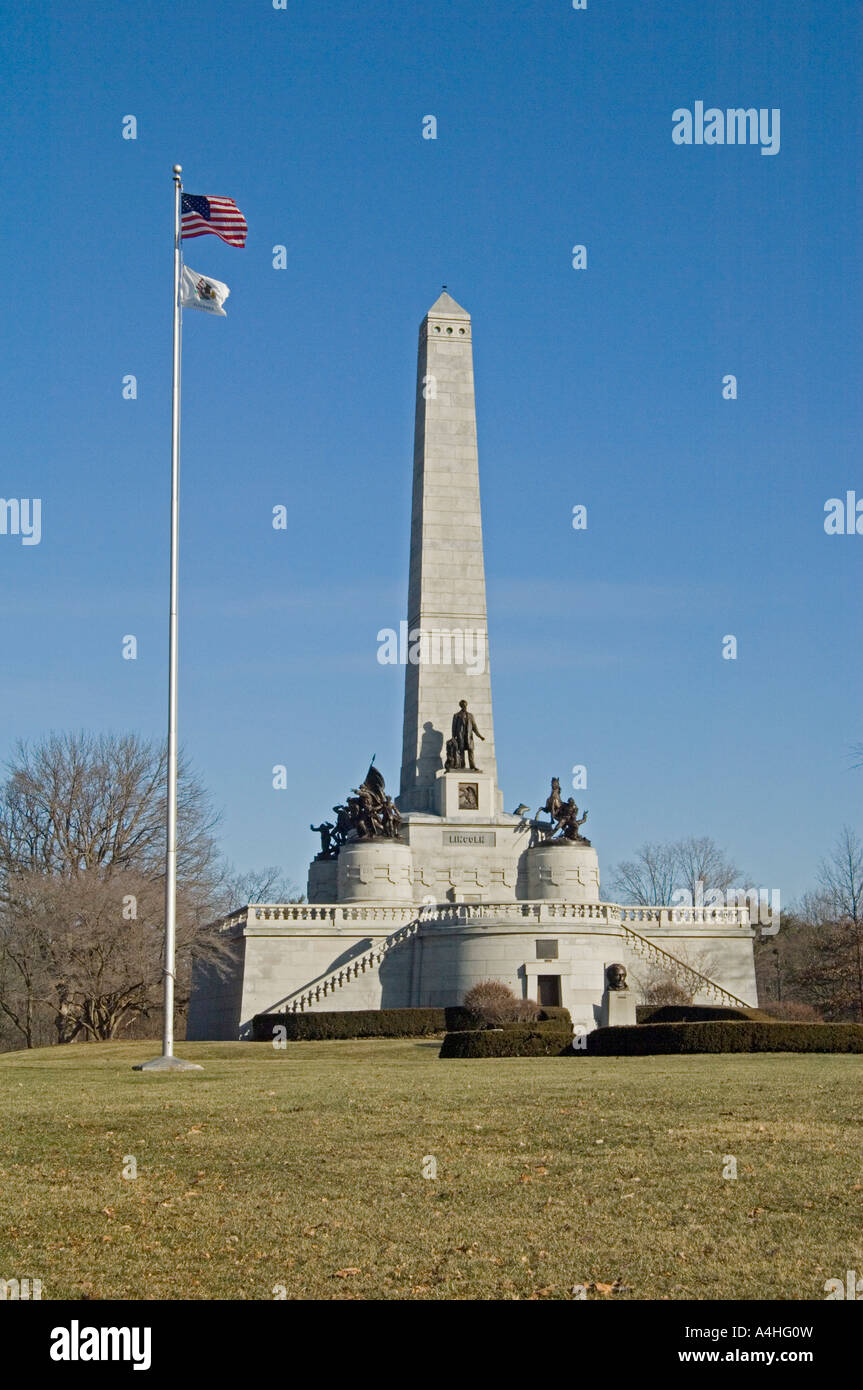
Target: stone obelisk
446	595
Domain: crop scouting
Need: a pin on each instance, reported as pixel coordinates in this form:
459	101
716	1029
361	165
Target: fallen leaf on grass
345	1273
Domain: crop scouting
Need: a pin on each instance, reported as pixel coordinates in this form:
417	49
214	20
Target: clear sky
600	386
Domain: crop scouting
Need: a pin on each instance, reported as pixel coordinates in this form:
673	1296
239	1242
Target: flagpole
167	1061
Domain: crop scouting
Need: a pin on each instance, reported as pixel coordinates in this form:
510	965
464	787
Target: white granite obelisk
446	595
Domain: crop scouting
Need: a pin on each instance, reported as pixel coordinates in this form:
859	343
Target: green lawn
303	1168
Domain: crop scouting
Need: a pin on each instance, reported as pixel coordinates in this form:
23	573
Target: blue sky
602	387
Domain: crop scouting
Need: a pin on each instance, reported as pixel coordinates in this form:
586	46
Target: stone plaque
468	838
468	796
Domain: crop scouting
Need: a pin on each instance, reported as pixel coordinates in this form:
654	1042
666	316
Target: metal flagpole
167	1061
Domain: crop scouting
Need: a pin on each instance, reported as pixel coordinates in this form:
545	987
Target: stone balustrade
515	914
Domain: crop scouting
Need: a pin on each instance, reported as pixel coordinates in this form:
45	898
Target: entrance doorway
548	991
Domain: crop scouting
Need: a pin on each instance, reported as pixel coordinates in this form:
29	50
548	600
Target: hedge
517	1040
350	1023
553	1013
643	1039
461	1020
694	1013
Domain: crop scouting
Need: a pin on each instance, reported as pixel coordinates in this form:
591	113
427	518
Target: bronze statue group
370	811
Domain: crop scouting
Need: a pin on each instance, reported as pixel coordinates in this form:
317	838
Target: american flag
201	213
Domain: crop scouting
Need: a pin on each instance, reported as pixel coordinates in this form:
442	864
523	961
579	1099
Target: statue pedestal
462	794
323	881
564	871
618	1008
376	870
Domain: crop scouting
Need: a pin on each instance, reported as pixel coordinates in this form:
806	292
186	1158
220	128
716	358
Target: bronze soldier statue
569	822
325	830
390	818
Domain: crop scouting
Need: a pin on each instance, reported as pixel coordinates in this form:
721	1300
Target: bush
645	1039
667	991
553	1013
693	1013
493	1003
793	1012
351	1023
519	1040
461	1020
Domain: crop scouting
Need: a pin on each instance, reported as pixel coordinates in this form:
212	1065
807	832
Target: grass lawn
304	1168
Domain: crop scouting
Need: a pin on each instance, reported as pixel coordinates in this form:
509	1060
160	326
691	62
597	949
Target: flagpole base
167	1064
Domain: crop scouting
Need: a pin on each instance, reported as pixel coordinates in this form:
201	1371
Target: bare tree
82	829
649	878
841	880
266	885
25	979
701	865
74	802
694	865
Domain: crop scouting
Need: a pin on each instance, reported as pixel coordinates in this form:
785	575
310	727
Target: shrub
351	1023
493	1003
667	991
461	1020
793	1012
693	1013
527	1011
553	1013
519	1040
755	1035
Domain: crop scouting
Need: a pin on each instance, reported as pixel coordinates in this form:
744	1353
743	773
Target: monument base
563	871
323	881
167	1064
618	1008
462	793
376	870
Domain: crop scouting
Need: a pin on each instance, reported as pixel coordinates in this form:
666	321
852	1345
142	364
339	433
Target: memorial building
414	899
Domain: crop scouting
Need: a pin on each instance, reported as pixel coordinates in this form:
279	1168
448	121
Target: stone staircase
700	984
343	974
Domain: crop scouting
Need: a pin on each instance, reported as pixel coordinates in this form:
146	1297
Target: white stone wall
281	961
216	999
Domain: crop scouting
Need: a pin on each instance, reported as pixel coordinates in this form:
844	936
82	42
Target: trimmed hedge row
350	1023
553	1013
461	1020
694	1013
642	1039
517	1040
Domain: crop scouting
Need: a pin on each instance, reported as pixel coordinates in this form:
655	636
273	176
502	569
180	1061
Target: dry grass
302	1168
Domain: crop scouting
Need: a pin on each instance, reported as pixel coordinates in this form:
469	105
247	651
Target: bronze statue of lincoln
463	730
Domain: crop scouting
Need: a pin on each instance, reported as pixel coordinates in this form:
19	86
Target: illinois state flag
202	292
202	213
